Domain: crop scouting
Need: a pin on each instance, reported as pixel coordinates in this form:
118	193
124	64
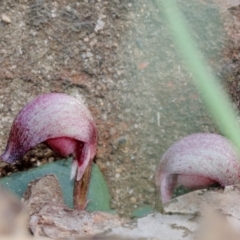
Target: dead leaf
50	217
41	192
158	226
224	200
13	216
214	226
58	221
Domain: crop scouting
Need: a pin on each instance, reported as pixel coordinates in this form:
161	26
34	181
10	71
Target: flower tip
73	170
8	157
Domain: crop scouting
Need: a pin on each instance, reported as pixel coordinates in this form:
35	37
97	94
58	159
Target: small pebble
133	200
114	131
51	159
118	170
130	191
33	159
99	25
6	18
93	42
89	54
86	39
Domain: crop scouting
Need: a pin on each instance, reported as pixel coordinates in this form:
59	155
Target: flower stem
81	189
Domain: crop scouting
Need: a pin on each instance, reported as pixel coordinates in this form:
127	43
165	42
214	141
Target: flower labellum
60	121
197	161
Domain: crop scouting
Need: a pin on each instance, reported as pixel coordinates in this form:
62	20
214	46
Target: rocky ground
119	56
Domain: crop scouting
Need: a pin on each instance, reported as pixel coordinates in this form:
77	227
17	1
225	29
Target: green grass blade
216	100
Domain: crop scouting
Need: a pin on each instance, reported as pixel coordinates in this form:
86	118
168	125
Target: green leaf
98	195
18	182
142	211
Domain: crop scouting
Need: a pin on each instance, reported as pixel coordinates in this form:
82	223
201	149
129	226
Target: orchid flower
61	122
197	161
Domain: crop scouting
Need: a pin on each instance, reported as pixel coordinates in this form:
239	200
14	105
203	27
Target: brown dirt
137	89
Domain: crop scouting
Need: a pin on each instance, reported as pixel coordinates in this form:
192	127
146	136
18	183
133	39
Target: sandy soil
118	55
